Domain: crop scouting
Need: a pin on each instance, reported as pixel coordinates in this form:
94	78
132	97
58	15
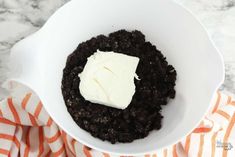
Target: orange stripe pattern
106	155
48	154
53	138
60	144
25	100
228	132
213	143
41	140
27	147
201	145
38	110
87	152
224	114
232	103
13	110
174	151
73	144
187	143
49	122
59	152
33	120
11	138
63	134
217	102
154	155
1	114
202	130
229	99
165	153
5	121
4	151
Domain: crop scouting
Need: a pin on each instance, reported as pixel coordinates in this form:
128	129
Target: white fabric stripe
207	145
23	141
79	150
170	151
180	150
7	129
69	144
24	114
56	146
14	150
95	153
31	106
6	111
50	132
24	117
18	135
194	145
219	139
32	103
43	116
46	149
3	155
224	99
219	120
229	109
194	138
7	144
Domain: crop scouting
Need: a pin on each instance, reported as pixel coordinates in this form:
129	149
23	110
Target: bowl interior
171	28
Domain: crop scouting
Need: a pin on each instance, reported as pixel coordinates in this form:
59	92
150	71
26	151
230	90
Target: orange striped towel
26	130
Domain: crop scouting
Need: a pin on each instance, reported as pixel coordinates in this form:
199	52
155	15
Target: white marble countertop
19	18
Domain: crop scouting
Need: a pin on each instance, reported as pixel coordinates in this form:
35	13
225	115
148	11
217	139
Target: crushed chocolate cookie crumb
154	89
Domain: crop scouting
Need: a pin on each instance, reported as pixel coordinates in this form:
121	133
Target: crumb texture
154	89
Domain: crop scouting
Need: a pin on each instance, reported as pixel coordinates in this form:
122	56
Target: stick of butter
108	79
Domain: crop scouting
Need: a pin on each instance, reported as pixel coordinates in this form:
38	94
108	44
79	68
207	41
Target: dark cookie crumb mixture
155	87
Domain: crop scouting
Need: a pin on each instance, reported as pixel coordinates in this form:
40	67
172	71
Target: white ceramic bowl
174	31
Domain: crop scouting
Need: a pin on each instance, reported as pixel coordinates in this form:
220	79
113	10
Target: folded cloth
26	129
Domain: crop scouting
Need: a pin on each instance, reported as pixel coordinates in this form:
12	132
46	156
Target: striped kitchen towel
26	130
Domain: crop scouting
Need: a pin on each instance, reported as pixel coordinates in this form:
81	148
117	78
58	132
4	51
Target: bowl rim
156	150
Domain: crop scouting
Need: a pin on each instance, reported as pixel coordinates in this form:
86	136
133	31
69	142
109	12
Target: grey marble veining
19	18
